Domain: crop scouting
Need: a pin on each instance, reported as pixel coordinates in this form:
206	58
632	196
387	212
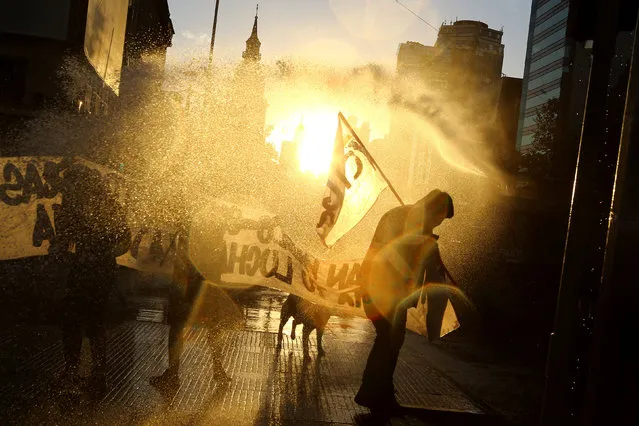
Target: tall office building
546	57
558	63
557	66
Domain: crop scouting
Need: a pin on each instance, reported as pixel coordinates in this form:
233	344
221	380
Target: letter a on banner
354	184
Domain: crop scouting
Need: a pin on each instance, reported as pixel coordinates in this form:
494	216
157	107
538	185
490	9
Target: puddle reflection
262	308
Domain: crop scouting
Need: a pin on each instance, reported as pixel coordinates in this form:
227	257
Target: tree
537	159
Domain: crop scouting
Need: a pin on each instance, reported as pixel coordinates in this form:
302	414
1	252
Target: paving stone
268	387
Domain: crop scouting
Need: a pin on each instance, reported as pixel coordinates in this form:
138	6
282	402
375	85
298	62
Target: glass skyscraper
546	61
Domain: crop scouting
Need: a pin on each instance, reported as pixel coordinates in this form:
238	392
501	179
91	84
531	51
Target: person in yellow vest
402	257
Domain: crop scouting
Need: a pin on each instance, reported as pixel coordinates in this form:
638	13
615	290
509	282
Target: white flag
353	186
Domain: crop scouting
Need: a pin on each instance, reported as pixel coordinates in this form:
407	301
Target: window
548	59
560	17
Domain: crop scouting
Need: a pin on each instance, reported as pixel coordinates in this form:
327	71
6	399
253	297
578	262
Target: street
267	387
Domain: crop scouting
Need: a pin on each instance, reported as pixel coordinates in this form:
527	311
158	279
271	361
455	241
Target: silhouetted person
92	232
403	255
187	306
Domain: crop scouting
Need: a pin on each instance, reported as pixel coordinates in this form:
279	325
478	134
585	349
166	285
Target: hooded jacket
401	257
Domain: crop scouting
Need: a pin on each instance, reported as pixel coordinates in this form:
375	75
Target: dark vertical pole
217	6
613	377
569	357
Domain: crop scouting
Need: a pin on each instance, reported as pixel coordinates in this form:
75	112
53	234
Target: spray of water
201	134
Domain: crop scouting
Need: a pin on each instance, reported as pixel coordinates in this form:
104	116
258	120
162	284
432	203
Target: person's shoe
366	399
166	381
387	408
379	405
391	405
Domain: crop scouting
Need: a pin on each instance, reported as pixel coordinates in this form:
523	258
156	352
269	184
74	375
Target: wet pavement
267	387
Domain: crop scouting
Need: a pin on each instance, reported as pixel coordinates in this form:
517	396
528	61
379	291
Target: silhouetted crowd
92	232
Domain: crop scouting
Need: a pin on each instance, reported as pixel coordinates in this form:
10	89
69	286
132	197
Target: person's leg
178	312
175	345
285	314
96	333
71	334
320	334
72	324
437	300
95	306
215	338
398	335
376	376
170	378
177	315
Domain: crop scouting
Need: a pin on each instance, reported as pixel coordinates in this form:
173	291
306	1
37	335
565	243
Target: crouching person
403	255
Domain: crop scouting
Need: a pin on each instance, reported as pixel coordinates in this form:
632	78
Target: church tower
252	52
249	94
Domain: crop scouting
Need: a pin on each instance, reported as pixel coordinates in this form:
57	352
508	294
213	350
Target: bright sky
345	32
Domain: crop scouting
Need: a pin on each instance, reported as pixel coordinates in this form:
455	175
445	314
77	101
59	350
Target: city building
463	68
149	33
556	67
289	154
253	44
75	54
36	37
475	55
508	106
414	60
506	123
64	43
467	58
249	93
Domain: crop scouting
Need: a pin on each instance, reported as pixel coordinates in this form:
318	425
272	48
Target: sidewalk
507	389
267	387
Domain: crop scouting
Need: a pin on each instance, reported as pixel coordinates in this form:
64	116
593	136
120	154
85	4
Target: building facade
149	33
463	71
506	122
249	101
467	58
35	38
473	55
76	55
548	59
558	66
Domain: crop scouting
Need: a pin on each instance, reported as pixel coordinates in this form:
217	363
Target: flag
353	185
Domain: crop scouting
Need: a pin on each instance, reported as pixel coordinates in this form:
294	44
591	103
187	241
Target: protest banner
231	245
30	196
235	245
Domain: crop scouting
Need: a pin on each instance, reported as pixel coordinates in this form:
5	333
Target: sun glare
313	133
317	142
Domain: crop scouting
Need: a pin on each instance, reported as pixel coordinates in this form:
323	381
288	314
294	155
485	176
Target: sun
317	141
313	133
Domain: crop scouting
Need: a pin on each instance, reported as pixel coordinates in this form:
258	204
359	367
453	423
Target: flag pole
368	154
213	31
